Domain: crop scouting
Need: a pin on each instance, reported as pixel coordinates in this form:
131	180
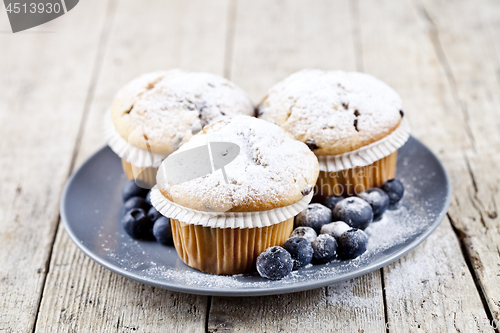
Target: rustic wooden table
57	80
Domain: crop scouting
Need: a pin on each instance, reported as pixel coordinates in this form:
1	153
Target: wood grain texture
401	52
467	32
44	79
57	80
350	306
80	295
275	39
271	41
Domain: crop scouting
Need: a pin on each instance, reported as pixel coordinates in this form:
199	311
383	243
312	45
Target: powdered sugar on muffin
272	170
332	111
163	110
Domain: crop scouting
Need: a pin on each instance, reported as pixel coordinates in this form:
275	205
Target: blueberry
314	216
394	189
153	214
305	232
137	224
378	199
331	201
148	198
136	202
352	243
325	247
335	229
163	231
274	263
301	251
130	189
354	211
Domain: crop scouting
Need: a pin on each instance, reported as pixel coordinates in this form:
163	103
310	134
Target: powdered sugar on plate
93	224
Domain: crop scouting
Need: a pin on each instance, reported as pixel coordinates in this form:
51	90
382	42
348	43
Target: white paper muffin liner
229	219
368	154
133	155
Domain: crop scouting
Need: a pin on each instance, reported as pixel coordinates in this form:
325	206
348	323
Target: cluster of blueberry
140	219
343	239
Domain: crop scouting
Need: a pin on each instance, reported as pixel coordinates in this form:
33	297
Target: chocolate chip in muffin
356	124
307	190
345	105
356	113
401	113
128	111
311	144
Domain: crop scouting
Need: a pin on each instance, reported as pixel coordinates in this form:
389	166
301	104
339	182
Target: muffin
352	122
156	113
221	227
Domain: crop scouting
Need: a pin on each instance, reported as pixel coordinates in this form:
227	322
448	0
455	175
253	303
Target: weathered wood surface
44	79
79	294
441	294
272	40
442	57
468	33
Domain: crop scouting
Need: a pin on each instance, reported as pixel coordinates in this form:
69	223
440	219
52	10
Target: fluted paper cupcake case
232	220
368	154
137	157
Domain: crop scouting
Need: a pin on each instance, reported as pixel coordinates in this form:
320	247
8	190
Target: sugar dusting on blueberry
314	216
331	201
335	229
305	232
301	251
354	211
352	243
325	249
394	189
274	263
378	200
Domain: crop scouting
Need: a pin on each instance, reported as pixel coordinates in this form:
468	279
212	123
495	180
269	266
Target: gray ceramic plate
90	210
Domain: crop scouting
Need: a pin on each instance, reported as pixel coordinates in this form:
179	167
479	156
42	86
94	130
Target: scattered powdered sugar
417	212
335	229
314	216
305	232
337	111
271	168
395	229
169	107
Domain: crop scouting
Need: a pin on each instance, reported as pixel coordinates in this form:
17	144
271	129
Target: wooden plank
432	285
429	290
467	32
350	306
80	295
44	80
273	40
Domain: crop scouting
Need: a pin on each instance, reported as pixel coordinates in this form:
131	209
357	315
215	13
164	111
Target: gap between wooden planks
79	294
288	63
44	80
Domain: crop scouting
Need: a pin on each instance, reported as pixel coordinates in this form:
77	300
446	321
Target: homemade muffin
221	227
351	121
156	113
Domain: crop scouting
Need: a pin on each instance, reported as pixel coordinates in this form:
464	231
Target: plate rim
273	290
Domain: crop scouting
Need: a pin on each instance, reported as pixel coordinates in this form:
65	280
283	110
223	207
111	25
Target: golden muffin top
272	169
333	112
163	110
